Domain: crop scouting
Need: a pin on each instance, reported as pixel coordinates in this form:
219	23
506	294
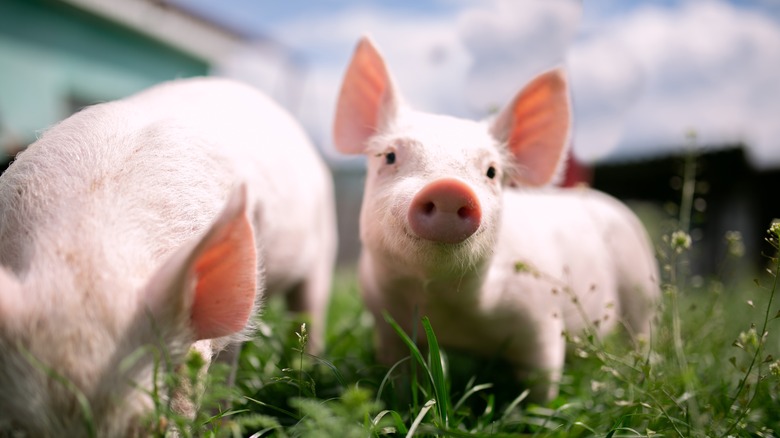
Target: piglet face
433	190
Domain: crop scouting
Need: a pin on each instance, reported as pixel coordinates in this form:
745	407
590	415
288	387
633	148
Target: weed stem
756	355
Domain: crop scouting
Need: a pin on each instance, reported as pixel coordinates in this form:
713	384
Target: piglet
147	228
457	225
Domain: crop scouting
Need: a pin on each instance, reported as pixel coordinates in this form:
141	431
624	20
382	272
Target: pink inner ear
365	100
210	283
536	127
226	275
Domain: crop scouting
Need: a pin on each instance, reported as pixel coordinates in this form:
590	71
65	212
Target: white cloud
459	64
268	67
640	78
422	53
510	41
707	66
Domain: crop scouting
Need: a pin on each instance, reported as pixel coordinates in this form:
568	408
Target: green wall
54	58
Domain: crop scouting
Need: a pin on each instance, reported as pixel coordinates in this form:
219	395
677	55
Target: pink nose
445	211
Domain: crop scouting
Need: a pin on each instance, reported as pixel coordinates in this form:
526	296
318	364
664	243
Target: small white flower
774	368
680	241
775	228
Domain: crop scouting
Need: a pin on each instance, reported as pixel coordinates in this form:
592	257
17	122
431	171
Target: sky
643	74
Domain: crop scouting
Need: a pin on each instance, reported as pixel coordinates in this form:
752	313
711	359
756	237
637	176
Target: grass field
710	370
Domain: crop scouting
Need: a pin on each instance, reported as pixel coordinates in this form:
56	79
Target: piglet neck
432	279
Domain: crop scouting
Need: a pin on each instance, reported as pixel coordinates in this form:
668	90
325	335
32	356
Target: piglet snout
445	211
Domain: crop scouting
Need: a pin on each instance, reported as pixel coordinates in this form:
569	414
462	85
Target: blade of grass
277	409
437	373
387	377
585	426
413	364
487	415
469	393
415	352
416	423
523	395
336	372
399	422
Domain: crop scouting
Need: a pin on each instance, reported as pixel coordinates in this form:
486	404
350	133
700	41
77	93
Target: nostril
429	208
465	212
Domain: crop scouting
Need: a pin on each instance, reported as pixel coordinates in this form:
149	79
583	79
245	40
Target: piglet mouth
460	243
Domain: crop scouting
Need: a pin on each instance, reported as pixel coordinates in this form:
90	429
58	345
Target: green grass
707	372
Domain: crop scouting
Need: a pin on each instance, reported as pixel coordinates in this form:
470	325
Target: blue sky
643	73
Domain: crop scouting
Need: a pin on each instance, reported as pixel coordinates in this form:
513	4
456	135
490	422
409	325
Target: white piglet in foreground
152	221
495	268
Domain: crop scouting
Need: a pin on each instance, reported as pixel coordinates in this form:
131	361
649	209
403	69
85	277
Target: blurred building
729	195
57	56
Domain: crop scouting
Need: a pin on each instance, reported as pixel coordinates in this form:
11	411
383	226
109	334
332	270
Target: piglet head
73	360
434	183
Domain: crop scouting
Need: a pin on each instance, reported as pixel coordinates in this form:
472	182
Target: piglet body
456	226
156	220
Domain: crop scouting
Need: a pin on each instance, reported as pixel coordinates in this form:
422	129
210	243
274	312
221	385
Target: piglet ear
535	128
367	101
210	284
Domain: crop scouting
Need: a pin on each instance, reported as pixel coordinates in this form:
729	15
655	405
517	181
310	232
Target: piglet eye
390	158
491	172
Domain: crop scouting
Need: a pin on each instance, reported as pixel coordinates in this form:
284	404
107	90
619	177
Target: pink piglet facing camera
148	228
458	226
